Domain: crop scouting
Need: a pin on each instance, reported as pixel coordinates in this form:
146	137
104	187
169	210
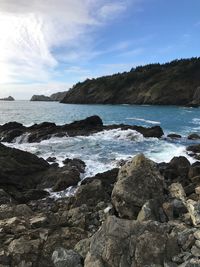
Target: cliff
10	98
58	96
174	83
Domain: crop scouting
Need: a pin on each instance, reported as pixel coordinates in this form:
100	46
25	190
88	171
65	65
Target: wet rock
194	148
193	136
174	136
19	168
51	159
138	181
75	163
66	258
46	130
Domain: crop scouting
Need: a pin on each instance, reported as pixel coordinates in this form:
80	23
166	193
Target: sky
47	46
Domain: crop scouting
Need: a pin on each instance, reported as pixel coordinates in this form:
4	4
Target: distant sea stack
10	98
54	97
174	83
40	98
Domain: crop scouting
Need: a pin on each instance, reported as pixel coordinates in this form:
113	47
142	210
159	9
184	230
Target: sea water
104	150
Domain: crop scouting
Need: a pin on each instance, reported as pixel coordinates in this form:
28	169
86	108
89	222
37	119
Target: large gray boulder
128	243
66	258
138	181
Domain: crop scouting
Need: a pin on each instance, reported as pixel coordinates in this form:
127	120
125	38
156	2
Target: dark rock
5	198
40	98
193	136
107	179
75	163
176	170
174	136
51	159
90	194
10	98
19	168
194	148
138	181
46	130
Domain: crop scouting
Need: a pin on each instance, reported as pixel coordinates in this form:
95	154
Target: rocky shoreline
142	214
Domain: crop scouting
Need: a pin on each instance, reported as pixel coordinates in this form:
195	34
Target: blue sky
48	48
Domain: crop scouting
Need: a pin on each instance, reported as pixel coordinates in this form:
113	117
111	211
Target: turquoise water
104	150
172	119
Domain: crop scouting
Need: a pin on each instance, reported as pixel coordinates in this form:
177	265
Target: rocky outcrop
150	84
137	182
134	216
24	176
10	98
54	97
38	132
40	98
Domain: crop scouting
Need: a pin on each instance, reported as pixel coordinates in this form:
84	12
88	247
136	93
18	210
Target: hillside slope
174	83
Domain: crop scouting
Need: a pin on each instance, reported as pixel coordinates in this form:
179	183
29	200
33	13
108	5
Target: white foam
128	135
143	120
196	121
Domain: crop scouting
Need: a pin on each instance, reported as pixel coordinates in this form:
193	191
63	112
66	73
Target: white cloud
33	34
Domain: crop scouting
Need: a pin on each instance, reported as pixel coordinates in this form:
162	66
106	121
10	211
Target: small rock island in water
10	98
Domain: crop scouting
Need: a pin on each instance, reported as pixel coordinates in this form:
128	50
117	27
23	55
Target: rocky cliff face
174	83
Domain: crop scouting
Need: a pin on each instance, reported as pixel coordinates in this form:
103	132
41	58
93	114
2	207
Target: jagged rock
107	179
90	194
43	131
83	247
19	168
138	181
75	163
151	210
194	208
176	191
176	170
129	243
66	258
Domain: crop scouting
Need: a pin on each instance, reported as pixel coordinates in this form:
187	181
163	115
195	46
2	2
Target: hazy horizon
48	48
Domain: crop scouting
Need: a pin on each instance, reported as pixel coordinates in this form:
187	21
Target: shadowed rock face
174	83
24	176
45	130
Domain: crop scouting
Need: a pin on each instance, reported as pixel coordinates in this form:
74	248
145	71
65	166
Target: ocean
104	150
